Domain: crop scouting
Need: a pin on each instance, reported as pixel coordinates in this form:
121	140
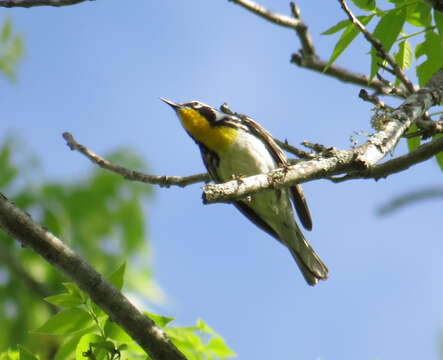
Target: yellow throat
216	138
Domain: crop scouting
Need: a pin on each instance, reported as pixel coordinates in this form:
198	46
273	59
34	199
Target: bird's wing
211	160
297	195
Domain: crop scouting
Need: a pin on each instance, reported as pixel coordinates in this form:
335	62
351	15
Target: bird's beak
170	103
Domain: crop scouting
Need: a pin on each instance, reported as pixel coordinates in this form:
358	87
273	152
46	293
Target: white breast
247	156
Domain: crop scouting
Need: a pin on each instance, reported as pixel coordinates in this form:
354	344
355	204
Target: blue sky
98	69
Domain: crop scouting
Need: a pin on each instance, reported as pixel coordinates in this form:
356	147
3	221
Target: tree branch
308	58
422	153
275	18
344	75
378	47
294	150
32	3
142	329
363	94
334	161
163	181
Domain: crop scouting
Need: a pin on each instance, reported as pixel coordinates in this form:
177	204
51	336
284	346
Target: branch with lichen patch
422	153
333	161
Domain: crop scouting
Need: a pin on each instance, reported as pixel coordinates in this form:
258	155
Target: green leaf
438	19
160	320
115	332
432	47
419	14
67	348
368	5
186	341
203	327
11	52
414	142
122	347
86	348
117	277
9	171
219	348
350	33
439	156
106	345
74	290
65	322
26	354
10	355
337	27
6	31
65	300
387	31
404	55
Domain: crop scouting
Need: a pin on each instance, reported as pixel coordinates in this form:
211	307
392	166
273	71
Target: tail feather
312	268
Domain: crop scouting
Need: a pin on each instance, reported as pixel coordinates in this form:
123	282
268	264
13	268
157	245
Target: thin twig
308	48
294	150
318	148
422	153
379	48
164	181
428	127
430	130
363	94
316	64
387	68
32	3
275	18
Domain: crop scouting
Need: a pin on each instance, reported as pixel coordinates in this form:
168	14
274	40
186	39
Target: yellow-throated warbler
236	145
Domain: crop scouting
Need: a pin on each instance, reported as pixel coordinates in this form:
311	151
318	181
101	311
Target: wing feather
297	196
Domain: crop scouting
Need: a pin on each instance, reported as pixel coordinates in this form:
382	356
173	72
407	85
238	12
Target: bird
234	145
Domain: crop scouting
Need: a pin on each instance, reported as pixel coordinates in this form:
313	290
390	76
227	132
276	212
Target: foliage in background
11	49
103	219
88	333
391	29
100	216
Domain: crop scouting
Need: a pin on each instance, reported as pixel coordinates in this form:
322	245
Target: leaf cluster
102	216
390	30
424	45
88	333
11	49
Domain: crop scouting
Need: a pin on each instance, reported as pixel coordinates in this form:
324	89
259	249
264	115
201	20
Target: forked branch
357	162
